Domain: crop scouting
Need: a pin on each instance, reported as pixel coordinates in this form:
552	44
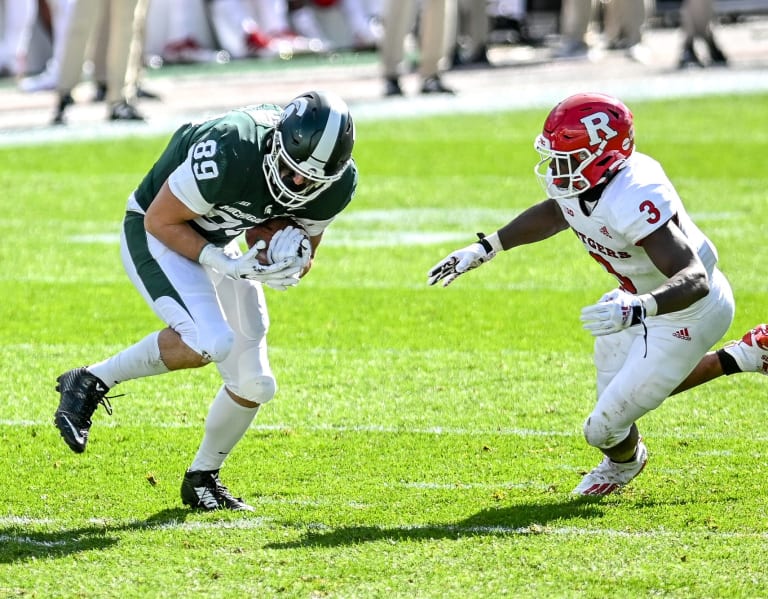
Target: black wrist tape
727	362
638	315
484	242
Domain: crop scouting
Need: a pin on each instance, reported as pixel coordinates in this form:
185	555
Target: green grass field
424	441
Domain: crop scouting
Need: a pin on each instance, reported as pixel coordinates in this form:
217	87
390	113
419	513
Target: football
264	232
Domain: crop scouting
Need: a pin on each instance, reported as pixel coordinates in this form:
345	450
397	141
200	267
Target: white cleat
609	476
751	351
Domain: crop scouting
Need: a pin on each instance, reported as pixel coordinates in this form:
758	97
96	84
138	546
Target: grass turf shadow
19	543
525	519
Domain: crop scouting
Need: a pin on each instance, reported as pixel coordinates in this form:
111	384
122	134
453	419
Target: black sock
728	363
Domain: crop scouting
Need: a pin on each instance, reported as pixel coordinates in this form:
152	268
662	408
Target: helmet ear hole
604	161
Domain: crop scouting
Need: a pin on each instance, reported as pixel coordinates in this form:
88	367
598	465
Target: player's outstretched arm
465	259
534	224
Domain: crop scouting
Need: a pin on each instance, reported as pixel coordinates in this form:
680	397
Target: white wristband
495	242
649	302
215	258
209	254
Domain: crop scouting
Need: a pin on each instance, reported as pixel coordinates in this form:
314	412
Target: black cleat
392	87
146	94
434	85
64	102
123	111
101	92
203	490
688	59
81	393
716	55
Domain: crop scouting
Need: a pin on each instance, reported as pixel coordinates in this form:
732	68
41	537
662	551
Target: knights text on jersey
636	202
215	169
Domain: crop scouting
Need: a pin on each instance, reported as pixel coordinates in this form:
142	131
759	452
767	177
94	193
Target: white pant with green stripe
222	319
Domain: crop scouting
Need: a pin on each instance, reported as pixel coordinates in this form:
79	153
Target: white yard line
394	430
256	523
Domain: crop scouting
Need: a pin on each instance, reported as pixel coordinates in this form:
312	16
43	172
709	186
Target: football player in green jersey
214	180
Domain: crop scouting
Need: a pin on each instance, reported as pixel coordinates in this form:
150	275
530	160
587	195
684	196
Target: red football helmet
586	137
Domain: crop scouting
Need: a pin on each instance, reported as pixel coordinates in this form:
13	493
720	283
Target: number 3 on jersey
650	209
202	165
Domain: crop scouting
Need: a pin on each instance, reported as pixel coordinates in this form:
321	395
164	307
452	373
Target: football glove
246	266
291	244
280	281
461	261
615	311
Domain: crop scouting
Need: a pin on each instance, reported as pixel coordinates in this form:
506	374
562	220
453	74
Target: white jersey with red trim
636	202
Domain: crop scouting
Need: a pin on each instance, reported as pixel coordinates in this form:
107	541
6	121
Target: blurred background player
18	17
437	25
473	29
696	17
82	25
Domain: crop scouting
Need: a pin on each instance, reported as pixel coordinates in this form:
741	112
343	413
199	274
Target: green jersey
215	169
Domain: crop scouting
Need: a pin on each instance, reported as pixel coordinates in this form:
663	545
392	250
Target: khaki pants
84	20
437	25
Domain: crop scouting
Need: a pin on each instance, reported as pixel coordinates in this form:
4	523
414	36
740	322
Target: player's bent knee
258	389
216	348
602	433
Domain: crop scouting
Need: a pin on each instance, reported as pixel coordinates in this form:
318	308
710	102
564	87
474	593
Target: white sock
225	425
140	360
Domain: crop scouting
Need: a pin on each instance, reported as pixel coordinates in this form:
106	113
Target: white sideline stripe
249	524
371	239
344	235
437	430
5	539
434	430
23	521
261	523
462	486
393	430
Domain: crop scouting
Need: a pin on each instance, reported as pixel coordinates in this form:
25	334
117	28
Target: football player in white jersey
653	333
